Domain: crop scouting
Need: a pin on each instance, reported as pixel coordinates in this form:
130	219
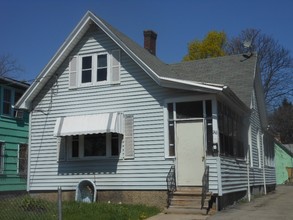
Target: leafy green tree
282	122
211	46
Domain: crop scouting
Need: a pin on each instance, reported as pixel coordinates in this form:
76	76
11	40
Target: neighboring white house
108	110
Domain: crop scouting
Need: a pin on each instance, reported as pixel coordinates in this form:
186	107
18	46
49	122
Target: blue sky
32	31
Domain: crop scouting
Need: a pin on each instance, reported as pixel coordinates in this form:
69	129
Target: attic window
86	69
95	69
102	68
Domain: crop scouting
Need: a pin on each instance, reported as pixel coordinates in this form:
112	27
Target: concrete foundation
151	198
231	198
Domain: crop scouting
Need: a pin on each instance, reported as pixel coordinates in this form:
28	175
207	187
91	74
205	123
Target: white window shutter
115	66
128	138
61	151
73	67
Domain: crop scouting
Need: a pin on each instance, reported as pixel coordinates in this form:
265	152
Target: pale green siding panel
283	160
12	132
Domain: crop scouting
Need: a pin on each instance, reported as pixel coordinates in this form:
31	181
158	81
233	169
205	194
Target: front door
190	153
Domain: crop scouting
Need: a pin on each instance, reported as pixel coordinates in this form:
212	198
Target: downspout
248	175
248	161
263	166
29	152
216	146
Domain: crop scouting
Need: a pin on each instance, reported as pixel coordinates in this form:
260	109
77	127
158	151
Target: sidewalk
163	216
275	205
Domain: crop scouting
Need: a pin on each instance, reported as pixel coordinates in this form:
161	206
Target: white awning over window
89	124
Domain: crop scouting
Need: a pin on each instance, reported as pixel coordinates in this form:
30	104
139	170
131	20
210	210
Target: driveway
277	205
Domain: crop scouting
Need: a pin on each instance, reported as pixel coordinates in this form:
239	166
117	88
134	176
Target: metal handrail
205	186
171	183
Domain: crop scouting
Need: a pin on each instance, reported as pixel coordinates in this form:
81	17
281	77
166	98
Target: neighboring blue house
109	111
13	136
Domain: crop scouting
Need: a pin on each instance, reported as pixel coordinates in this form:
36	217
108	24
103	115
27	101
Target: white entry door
190	154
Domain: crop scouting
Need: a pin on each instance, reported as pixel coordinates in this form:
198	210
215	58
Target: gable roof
199	75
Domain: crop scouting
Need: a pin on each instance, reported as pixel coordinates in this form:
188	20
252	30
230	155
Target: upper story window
7	102
9	98
86	69
102	68
95	69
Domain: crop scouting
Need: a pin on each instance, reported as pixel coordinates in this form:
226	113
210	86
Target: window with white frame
22	159
94	145
102	68
86	69
1	157
94	69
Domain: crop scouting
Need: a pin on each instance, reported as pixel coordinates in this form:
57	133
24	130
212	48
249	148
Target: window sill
91	159
7	116
90	85
170	157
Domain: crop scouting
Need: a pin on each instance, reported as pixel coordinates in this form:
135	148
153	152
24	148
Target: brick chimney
150	38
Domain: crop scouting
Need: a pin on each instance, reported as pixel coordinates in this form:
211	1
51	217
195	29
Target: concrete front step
193	202
189	188
189	196
185	194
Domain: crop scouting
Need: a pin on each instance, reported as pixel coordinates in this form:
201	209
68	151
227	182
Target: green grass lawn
27	208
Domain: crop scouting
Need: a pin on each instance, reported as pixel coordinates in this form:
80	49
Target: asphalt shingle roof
234	71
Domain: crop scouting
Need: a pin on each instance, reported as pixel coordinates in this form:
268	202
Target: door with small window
187	139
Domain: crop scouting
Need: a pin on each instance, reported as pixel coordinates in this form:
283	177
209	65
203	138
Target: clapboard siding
270	175
258	166
137	95
213	174
234	175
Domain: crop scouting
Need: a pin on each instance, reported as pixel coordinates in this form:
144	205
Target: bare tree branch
9	66
274	62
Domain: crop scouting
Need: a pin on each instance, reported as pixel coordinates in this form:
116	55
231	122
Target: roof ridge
212	58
